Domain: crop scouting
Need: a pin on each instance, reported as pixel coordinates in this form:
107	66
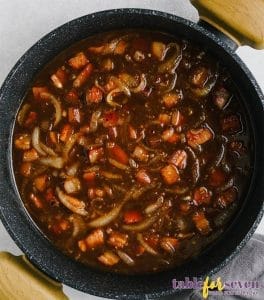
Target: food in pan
132	151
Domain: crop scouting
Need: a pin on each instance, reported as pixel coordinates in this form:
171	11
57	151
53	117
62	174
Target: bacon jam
132	151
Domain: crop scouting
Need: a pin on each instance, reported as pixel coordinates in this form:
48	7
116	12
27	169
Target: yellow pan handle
20	280
240	20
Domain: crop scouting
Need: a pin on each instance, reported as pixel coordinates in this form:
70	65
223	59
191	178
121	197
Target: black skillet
36	247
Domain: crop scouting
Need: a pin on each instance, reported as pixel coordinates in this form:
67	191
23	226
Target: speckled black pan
37	248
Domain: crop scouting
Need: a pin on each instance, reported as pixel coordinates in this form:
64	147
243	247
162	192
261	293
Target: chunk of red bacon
171	99
94	95
96	155
110	118
94	240
170	174
231	124
227	197
179	159
201	223
196	137
78	61
132	216
217	177
221	97
118	239
83	76
59	78
117	153
143	177
202	196
74	115
141	154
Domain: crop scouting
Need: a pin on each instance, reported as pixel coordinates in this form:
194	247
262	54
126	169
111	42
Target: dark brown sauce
153	174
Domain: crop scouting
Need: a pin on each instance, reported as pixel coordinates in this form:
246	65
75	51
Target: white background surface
22	23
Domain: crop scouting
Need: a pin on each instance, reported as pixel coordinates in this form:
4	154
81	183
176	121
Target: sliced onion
22	113
110	97
117	164
68	146
110	175
78	224
47	149
170	65
125	258
142	85
171	85
112	214
139	191
56	103
138	227
121	85
94	120
36	142
54	162
154	206
73	204
145	245
196	165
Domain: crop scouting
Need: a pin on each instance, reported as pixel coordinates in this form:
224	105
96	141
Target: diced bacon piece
231	124
217	177
89	178
95	193
53	137
94	95
120	48
177	119
110	85
94	240
110	118
141	154
40	182
132	132
132	216
170	136
38	90
107	65
143	177
171	99
139	250
51	198
60	226
83	76
96	154
185	207
118	240
66	132
25	169
170	174
74	115
72	185
200	76
59	78
238	147
109	258
202	196
72	97
118	154
179	159
221	97
152	240
78	61
164	119
158	50
30	155
196	137
169	244
23	142
37	202
227	197
201	223
31	119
